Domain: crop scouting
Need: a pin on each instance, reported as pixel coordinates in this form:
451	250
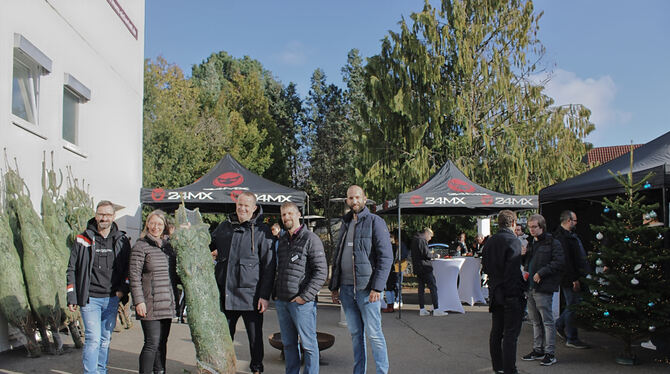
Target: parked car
440	249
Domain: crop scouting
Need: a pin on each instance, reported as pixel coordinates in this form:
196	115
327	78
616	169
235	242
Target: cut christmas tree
215	353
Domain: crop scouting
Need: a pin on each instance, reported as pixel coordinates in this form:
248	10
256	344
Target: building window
74	94
25	87
70	115
29	65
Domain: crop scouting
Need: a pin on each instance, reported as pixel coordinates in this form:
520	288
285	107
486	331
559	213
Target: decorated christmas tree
630	287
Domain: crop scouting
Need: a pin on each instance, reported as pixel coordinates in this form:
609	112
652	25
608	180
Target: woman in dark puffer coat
152	274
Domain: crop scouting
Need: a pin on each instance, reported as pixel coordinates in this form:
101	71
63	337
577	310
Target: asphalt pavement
456	343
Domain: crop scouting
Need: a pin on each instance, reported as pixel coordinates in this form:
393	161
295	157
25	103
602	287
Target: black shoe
578	344
534	355
548	360
561	334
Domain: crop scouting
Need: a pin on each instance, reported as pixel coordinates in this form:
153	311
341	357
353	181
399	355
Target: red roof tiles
601	155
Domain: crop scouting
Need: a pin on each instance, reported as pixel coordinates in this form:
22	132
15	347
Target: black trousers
154	351
505	328
253	322
427	279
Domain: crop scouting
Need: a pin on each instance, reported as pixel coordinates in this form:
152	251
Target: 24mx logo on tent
157	194
459	185
229	179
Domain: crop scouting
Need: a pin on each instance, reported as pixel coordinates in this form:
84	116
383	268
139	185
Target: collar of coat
362	214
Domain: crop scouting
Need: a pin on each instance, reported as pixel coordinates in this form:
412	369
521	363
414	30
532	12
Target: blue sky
611	55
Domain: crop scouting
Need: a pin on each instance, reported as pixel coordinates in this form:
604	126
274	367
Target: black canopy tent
450	192
217	191
583	194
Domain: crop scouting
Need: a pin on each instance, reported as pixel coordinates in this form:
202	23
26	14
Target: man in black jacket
97	278
245	271
544	263
576	267
502	262
301	272
423	269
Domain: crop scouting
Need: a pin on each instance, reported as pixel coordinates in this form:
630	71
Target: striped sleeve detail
81	239
70	288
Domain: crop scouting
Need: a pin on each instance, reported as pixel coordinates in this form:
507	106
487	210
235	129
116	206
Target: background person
423	269
96	281
544	263
576	266
301	271
245	271
153	278
502	262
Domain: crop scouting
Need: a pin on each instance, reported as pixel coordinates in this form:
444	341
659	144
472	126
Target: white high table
470	286
450	292
446	276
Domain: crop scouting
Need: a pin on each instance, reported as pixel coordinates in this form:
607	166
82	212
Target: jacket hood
256	217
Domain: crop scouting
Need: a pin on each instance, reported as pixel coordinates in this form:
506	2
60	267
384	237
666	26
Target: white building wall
88	40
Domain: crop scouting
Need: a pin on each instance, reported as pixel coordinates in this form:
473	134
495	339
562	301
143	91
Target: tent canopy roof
450	192
651	157
217	190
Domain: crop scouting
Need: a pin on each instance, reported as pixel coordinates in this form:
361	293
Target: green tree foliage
455	83
190	124
330	143
630	289
263	102
174	151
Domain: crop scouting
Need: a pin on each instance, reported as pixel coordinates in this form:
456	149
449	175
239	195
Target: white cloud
294	53
597	94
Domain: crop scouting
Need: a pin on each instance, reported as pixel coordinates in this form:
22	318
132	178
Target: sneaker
534	355
561	334
548	360
648	345
423	312
439	313
578	344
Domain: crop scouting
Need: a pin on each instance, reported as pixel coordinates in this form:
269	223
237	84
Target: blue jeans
298	320
364	318
540	312
566	321
99	317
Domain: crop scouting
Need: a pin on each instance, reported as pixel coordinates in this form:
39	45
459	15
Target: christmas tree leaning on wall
630	289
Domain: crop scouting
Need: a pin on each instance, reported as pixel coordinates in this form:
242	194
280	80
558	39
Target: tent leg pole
399	244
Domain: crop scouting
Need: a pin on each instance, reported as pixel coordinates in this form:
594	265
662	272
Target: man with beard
362	261
245	270
301	272
576	267
96	280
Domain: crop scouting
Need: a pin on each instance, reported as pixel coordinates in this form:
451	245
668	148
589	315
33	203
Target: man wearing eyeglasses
544	263
576	267
97	278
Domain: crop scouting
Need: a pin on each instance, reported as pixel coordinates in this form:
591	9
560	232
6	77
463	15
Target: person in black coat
245	271
502	263
576	266
544	263
301	271
423	269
